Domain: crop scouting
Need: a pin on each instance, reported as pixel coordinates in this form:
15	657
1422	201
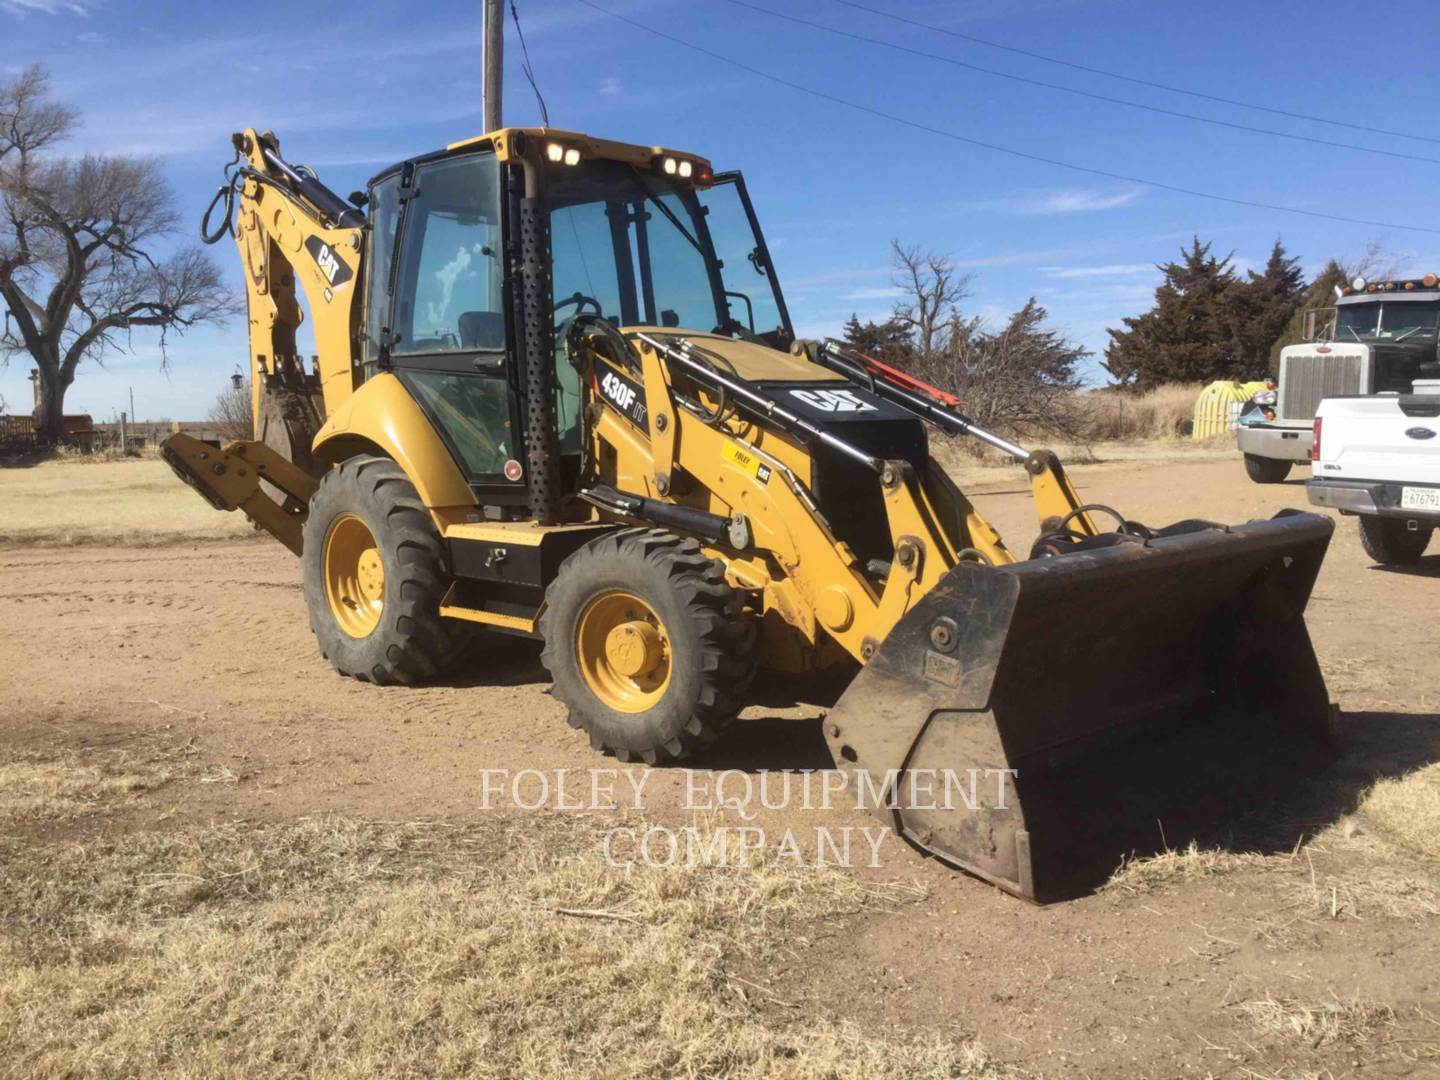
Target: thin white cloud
42	7
610	86
1080	201
1111	270
195	129
1058	201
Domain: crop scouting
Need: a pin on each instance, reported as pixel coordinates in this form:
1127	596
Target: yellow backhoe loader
558	394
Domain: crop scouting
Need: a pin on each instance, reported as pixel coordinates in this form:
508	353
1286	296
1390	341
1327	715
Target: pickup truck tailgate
1380	438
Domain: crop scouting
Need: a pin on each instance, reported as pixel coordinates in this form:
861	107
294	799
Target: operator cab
638	236
1398	321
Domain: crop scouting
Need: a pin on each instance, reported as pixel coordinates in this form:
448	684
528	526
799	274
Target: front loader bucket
1034	723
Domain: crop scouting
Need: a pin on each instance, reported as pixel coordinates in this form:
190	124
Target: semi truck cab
1379	338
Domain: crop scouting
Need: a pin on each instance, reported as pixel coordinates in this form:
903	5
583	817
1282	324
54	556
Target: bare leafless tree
77	271
932	290
1019	378
231	414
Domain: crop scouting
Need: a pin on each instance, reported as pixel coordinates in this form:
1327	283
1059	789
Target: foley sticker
748	462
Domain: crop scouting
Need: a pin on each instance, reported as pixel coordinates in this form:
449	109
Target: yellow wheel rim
354	576
624	651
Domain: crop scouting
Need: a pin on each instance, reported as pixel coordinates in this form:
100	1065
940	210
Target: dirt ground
1319	961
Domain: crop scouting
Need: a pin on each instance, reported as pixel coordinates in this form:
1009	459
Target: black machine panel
848	493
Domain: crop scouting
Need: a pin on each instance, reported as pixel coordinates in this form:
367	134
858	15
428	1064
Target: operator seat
482	330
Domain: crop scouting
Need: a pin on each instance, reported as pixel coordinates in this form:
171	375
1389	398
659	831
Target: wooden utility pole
494	62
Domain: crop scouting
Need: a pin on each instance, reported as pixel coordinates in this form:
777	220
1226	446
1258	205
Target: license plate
1412	498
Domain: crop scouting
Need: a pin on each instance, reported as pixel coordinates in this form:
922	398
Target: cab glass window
450	293
472	411
584	266
1402	320
749	287
1356	321
384	214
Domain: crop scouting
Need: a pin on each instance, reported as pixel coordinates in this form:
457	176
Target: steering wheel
579	301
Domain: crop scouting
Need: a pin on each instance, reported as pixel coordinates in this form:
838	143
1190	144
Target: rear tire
647	645
1265	470
1390	543
375	571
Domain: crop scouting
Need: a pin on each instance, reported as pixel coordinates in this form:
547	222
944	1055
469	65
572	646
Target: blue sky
356	86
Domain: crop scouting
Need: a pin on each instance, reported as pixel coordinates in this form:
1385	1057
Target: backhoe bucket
1035	723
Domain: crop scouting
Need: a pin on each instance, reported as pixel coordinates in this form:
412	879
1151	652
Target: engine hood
751	361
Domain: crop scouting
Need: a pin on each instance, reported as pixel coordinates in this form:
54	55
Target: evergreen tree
1263	308
888	341
1189	334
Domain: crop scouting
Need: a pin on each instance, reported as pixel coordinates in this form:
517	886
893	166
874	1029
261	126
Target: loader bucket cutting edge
1045	719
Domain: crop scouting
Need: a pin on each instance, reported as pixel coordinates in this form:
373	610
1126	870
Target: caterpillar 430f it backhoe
558	394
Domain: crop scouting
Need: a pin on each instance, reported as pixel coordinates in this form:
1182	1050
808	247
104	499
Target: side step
229	479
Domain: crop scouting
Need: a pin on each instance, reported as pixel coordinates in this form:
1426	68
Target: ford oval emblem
1420	433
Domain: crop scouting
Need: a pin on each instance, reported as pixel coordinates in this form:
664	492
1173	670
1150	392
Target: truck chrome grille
1305	380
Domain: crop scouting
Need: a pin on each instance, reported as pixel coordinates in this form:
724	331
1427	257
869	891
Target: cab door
751	287
448	330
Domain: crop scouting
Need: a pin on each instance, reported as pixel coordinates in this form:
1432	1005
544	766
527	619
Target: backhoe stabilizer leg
229	479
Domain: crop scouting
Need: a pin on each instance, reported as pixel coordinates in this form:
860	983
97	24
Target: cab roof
513	143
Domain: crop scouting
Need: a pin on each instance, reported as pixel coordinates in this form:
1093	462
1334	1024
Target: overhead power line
1025	155
867	40
527	69
1135	80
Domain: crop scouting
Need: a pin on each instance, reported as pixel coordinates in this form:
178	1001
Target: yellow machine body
799	469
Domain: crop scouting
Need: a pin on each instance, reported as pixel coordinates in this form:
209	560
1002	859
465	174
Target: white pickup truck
1378	338
1379	458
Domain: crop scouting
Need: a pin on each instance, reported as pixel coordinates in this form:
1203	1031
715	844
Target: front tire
1390	543
375	572
647	645
1265	470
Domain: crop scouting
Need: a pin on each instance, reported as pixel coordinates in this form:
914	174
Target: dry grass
1110	428
1353	892
71	455
1354	1022
331	948
1407	809
132	501
1170	868
1108	415
58	791
1362	893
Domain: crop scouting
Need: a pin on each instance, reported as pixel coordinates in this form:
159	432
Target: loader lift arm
821	584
